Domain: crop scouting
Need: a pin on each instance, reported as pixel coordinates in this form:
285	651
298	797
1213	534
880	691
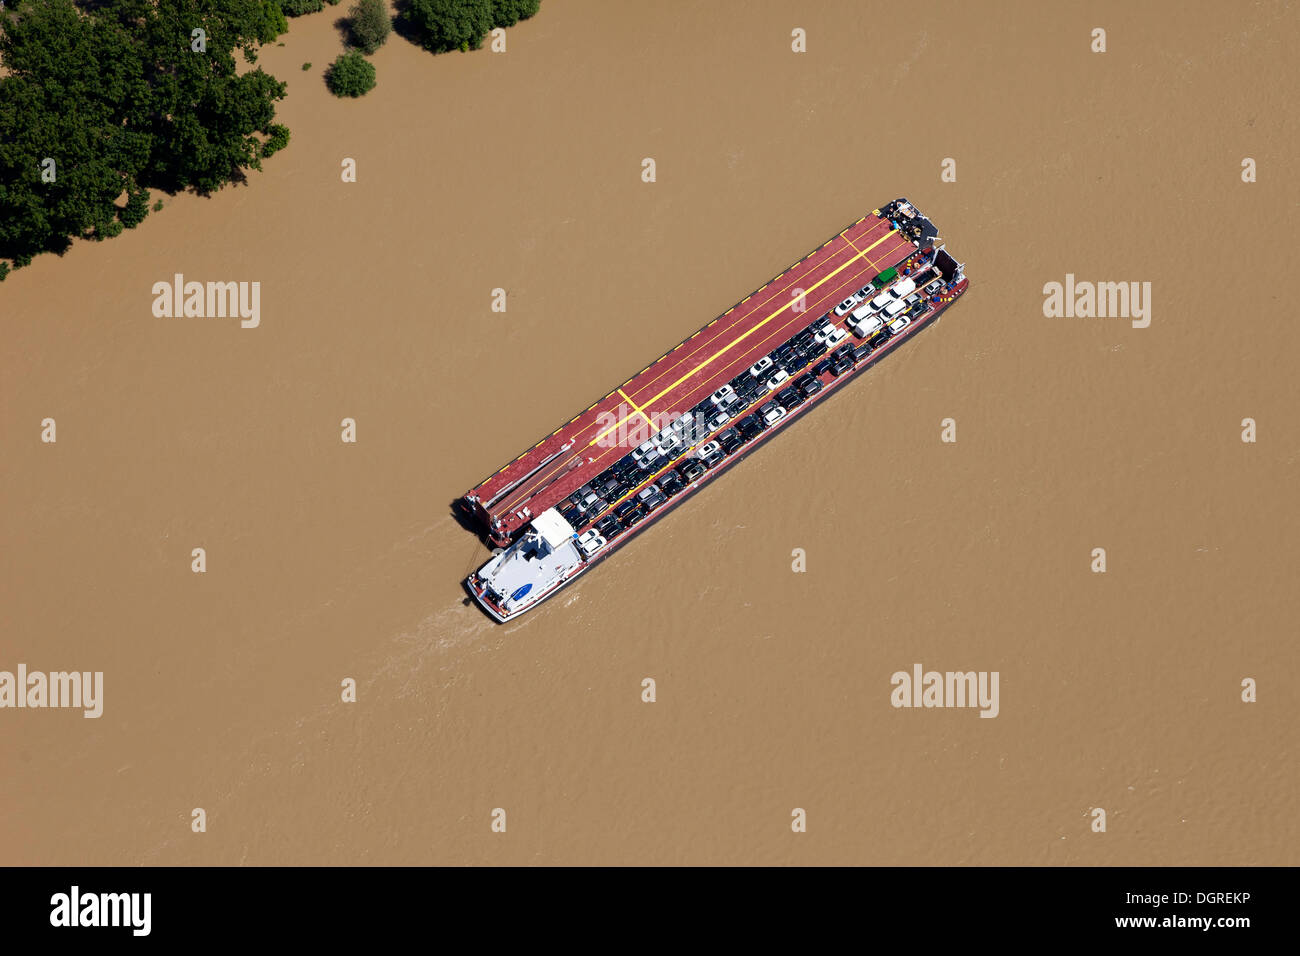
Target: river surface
328	560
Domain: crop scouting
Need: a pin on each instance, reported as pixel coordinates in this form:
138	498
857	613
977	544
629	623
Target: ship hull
834	387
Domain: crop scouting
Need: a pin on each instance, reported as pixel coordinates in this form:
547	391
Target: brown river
325	560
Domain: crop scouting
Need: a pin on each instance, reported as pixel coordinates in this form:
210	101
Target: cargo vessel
614	469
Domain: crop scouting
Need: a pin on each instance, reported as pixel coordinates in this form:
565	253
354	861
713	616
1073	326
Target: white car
776	380
710	453
848	304
902	290
899	324
836	337
772	413
761	366
667	441
590	542
822	329
880	301
867	325
890	312
646	454
719	419
723	396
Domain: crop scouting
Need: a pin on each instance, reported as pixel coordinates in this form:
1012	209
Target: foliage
137	207
506	13
109	97
441	25
296	8
276	140
369	24
351	75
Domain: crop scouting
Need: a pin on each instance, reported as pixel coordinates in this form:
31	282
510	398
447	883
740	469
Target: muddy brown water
522	171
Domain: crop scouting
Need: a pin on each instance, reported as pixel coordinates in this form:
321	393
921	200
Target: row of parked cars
889	312
775	372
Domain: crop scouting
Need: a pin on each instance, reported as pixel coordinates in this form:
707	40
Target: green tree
351	75
506	13
369	24
277	139
137	207
441	25
110	97
296	8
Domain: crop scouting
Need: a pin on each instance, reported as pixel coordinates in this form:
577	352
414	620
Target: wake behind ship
581	493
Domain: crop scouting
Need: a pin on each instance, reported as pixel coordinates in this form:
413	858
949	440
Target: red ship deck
593	440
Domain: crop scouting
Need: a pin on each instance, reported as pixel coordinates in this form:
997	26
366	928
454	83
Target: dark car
608	526
629	513
730	440
783	355
862	351
670	483
607	486
815	350
769	414
789	398
808	385
710	453
572	515
651	497
750	390
591	504
739	404
749	427
821	368
691	470
842	361
880	338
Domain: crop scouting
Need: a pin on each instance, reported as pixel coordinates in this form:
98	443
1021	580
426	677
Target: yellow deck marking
637	408
862	254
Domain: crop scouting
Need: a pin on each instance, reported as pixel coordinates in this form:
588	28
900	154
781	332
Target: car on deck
691	470
651	497
808	385
789	398
710	453
770	414
842	361
590	542
730	440
749	427
848	304
670	483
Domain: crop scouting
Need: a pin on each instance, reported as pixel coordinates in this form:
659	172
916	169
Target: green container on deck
886	277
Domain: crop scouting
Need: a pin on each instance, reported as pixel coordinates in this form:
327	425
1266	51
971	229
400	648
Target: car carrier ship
613	470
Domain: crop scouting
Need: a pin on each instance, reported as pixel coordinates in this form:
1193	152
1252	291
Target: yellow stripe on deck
862	254
742	337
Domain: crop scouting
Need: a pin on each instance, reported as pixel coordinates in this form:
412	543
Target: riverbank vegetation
104	101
